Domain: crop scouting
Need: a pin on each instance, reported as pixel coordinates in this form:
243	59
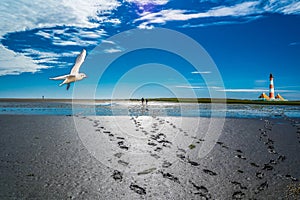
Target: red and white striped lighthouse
271	94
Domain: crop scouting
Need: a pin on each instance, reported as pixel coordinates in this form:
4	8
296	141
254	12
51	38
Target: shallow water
153	108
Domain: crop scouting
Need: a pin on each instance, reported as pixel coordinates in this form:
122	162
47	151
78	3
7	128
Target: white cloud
190	87
285	7
37	55
63	37
114	21
197	87
21	15
252	90
161	17
145	2
14	63
108	42
293	8
204	72
248	10
112	50
260	81
243	90
145	25
294	43
37	14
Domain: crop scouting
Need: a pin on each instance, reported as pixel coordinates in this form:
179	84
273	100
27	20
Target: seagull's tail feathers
59	77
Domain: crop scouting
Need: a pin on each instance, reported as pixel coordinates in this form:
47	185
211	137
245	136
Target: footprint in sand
238	195
261	187
118	155
259	175
137	189
254	164
239	151
107	132
121	162
122	145
150	143
239	184
117	175
281	158
170	177
240	156
222	145
155	155
207	171
291	177
201	190
166	164
193	163
158	149
267	167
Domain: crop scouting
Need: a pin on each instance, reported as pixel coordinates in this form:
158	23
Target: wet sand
147	157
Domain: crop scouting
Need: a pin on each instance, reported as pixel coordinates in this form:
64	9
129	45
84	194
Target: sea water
152	109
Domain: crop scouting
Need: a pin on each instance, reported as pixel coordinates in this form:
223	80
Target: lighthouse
271	94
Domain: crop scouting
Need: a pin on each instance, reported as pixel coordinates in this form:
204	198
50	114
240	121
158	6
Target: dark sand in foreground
44	157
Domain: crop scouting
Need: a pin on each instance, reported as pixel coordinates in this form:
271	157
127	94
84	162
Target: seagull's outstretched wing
60	77
78	63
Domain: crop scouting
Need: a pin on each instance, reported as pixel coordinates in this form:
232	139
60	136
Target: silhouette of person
146	101
142	100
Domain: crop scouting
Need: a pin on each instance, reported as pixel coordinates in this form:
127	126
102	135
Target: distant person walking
146	101
142	100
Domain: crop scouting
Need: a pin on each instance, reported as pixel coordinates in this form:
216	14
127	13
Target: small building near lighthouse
279	98
264	97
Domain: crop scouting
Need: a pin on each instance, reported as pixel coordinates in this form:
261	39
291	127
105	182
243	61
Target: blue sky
247	41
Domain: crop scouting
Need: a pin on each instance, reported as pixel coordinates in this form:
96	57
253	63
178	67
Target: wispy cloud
146	2
108	42
203	72
293	8
255	90
190	87
161	17
72	36
289	86
46	58
197	87
245	11
112	50
244	90
294	43
260	81
284	7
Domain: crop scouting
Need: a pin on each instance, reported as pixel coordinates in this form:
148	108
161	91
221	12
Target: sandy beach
147	157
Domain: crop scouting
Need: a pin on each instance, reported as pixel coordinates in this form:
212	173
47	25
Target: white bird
74	75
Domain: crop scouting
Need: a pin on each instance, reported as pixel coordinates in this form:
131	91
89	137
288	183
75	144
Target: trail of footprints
261	168
159	141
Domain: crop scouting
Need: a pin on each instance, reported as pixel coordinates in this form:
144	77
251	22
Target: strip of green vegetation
228	101
179	100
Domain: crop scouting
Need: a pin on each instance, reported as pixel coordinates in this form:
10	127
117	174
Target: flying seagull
74	75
